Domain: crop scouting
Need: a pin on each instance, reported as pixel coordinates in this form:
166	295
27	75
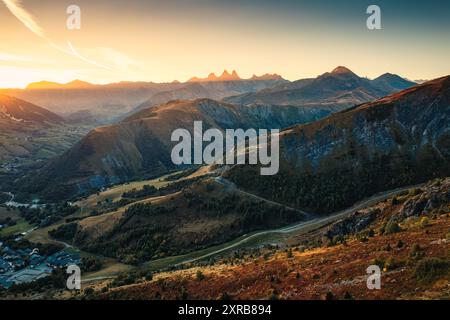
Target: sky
166	40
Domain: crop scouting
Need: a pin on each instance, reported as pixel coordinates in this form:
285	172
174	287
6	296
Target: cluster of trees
146	191
91	264
4	198
214	206
65	232
149	231
7	222
45	249
131	240
339	183
127	278
28	186
253	214
47	215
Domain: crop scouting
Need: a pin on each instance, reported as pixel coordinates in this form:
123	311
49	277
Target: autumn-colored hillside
408	236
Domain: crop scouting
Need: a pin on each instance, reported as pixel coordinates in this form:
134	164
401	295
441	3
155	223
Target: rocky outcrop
357	222
429	198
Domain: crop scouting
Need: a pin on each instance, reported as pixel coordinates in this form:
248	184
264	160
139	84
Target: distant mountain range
233	76
76	84
110	102
104	102
402	139
216	89
140	146
339	87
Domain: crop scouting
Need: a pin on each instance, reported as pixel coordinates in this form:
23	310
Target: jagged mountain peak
225	76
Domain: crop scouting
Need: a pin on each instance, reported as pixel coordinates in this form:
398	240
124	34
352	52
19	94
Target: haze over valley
224	150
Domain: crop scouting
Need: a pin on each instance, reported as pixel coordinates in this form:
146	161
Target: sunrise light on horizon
176	40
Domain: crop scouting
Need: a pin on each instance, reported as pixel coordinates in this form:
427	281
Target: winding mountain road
301	226
315	222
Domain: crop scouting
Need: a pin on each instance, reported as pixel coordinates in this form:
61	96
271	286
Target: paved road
309	225
306	225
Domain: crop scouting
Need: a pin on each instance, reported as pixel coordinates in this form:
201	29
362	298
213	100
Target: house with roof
36	259
63	259
5	283
5	266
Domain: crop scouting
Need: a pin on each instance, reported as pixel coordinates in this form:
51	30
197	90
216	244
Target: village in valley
28	264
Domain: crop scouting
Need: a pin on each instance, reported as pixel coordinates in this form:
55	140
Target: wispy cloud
6	57
75	53
16	8
117	59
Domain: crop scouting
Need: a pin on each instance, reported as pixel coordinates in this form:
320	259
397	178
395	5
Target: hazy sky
176	39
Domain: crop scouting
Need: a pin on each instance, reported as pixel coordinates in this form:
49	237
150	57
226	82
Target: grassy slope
337	269
21	226
114	194
110	266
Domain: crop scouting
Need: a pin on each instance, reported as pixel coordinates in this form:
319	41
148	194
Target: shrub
88	291
273	296
362	237
429	269
91	264
199	275
415	192
124	279
391	264
348	296
392	227
424	222
149	276
379	262
224	296
289	254
416	252
64	232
